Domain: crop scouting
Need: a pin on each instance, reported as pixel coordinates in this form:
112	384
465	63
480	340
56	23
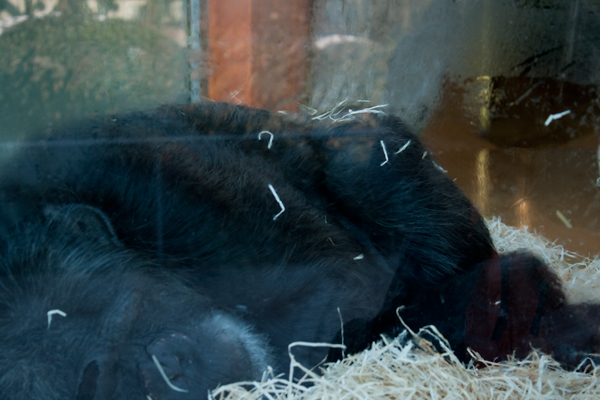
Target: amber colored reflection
483	180
484	198
524	187
522	211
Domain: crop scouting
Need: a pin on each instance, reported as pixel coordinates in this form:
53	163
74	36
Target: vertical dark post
29	8
195	36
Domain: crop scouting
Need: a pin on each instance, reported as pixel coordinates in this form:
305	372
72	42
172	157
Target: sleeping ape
156	255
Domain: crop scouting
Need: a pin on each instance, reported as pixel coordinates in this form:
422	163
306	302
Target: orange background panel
259	51
230	50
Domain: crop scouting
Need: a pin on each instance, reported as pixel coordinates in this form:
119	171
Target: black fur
155	234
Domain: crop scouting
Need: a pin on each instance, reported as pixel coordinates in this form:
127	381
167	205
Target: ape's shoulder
172	121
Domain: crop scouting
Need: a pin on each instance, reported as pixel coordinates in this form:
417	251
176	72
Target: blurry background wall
504	92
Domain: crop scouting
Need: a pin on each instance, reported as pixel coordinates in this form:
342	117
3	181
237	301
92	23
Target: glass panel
184	244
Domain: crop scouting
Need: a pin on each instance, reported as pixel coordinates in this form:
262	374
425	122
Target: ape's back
181	181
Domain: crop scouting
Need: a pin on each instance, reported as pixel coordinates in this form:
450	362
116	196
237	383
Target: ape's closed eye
98	381
89	382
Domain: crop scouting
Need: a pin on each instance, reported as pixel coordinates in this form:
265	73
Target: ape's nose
89	382
170	372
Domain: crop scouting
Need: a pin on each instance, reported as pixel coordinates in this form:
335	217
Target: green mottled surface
59	68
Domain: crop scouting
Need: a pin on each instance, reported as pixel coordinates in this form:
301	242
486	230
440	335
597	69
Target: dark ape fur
160	236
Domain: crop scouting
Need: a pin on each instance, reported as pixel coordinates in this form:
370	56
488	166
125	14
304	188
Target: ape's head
83	318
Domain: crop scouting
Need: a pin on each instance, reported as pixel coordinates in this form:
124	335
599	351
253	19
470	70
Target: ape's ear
83	220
